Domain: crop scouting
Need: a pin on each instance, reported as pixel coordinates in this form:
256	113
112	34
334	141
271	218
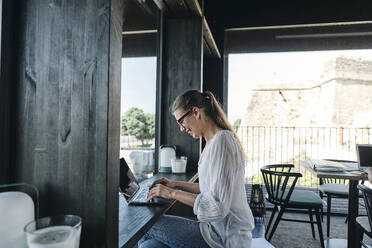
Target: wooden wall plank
113	138
182	63
5	96
68	110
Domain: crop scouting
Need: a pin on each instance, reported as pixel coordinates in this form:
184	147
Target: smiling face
188	121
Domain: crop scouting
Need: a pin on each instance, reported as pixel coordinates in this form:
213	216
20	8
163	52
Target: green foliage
151	124
139	124
237	124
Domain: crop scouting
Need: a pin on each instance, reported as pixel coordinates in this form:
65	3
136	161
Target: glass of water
54	232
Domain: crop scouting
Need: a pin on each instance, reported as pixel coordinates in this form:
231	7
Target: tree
135	122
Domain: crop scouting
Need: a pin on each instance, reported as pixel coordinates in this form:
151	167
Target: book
326	165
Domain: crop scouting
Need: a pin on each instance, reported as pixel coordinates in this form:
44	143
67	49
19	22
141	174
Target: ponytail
212	109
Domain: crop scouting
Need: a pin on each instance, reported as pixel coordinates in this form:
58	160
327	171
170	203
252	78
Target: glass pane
289	106
138	93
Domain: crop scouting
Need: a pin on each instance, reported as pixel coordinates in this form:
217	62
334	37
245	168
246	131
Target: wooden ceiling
140	16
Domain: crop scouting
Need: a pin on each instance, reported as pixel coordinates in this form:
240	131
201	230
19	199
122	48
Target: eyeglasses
180	120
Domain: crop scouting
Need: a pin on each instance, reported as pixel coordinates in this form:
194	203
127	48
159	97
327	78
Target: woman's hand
165	181
159	190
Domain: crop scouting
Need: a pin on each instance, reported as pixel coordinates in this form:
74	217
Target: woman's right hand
165	181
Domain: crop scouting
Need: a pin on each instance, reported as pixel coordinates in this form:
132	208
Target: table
135	221
354	178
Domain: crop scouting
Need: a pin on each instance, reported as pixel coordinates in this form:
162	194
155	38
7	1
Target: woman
219	199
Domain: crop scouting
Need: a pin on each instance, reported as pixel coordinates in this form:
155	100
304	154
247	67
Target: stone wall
342	98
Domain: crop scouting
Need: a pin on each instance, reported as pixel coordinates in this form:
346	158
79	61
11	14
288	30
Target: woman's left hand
159	190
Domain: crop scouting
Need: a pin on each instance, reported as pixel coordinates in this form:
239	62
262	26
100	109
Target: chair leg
311	222
320	230
271	219
321	210
359	235
329	199
278	218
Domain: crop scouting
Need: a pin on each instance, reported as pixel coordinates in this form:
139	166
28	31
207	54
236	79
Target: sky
138	84
256	70
245	72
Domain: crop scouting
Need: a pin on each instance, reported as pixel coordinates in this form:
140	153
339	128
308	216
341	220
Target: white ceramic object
167	153
16	210
179	165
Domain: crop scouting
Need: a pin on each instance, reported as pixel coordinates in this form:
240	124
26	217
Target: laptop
131	189
364	152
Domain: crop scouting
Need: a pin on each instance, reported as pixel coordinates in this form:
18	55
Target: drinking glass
54	232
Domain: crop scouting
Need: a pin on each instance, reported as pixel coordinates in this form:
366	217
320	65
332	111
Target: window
138	101
299	92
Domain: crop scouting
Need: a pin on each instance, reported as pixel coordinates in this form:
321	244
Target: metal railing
271	145
132	141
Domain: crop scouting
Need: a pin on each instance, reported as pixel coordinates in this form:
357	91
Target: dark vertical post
159	77
4	113
1	19
113	135
181	71
68	109
7	67
352	214
215	68
213	78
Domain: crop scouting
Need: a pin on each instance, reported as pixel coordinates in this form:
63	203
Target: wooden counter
135	221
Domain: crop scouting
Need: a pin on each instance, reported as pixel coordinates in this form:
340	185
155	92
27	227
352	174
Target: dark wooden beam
181	71
140	44
149	6
210	43
7	62
138	15
290	39
177	8
67	112
190	8
242	13
194	7
113	123
163	7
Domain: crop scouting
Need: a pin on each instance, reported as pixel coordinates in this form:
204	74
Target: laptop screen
364	153
128	184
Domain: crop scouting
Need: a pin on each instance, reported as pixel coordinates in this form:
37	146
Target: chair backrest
367	195
279	182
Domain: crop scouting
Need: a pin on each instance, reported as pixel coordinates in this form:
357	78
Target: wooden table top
135	221
349	175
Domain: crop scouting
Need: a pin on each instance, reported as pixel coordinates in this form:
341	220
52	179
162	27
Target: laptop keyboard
141	195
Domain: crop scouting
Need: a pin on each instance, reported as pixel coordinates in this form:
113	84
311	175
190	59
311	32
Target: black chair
364	222
280	185
333	188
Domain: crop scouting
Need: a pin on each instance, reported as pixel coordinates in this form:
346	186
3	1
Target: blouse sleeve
214	205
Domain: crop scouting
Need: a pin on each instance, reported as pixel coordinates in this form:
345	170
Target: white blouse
222	208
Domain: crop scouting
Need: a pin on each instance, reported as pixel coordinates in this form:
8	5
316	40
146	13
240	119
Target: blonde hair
208	102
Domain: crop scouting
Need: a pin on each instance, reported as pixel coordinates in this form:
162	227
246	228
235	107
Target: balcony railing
132	141
271	145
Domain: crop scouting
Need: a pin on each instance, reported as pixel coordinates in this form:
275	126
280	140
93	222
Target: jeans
173	232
